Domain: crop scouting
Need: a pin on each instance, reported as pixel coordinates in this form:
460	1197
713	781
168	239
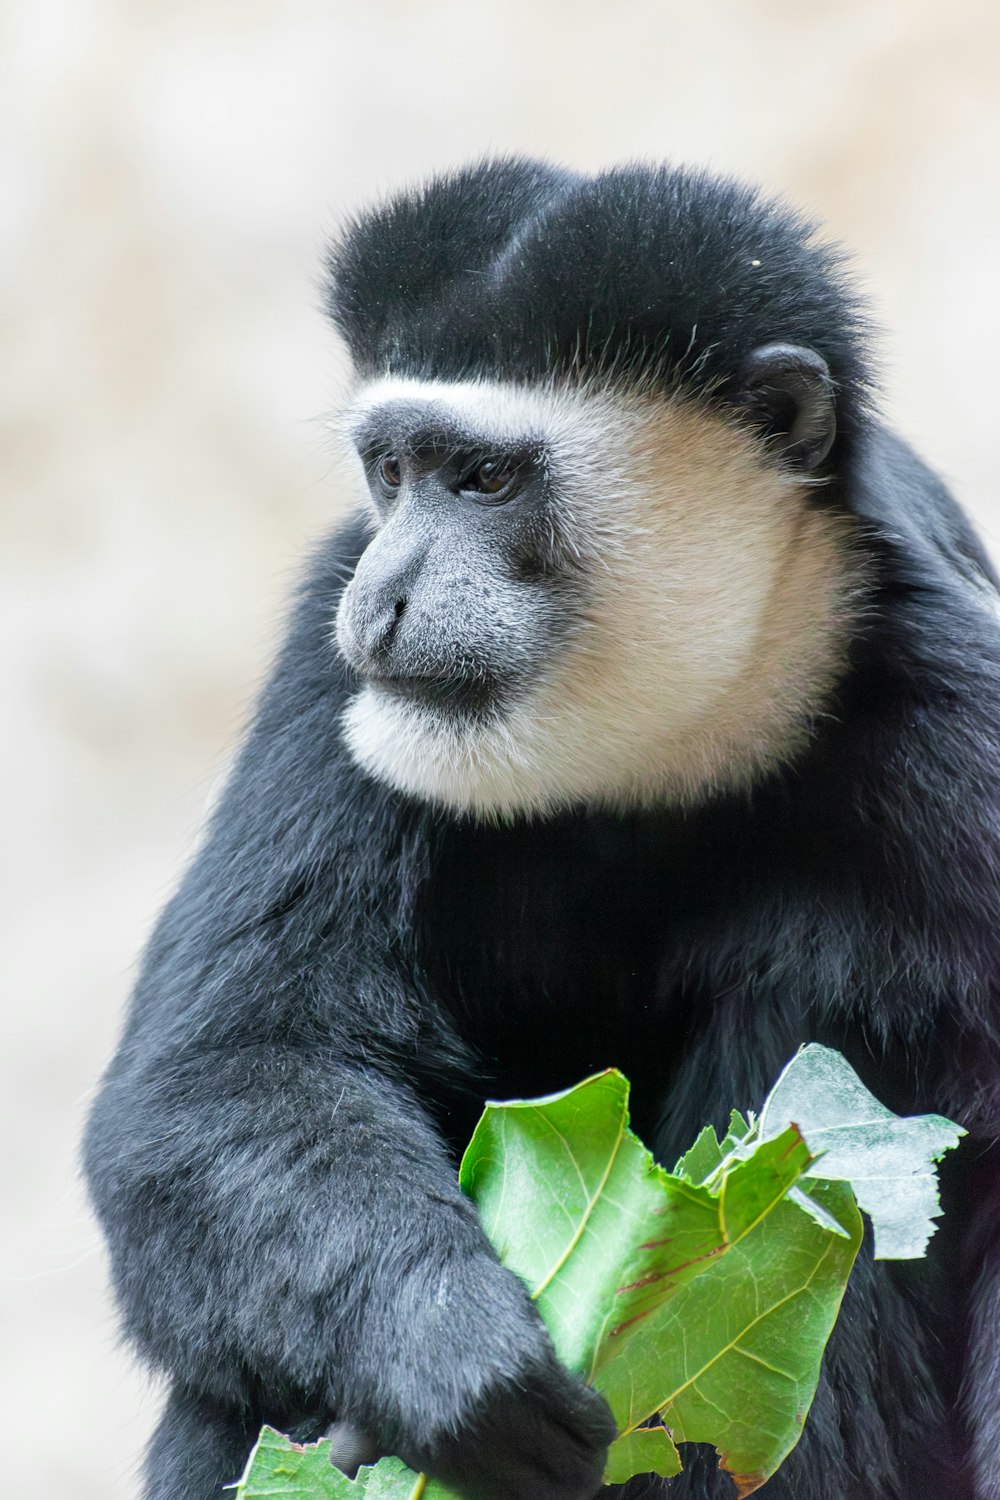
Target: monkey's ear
787	391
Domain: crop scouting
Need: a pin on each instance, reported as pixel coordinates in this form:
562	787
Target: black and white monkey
647	715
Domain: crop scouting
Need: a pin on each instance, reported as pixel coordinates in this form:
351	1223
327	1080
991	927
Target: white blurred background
168	173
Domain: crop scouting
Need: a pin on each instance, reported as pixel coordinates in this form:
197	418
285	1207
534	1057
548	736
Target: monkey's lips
444	692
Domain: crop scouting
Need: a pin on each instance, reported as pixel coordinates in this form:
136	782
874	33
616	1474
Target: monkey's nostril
383	629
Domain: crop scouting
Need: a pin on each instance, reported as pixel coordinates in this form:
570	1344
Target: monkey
643	713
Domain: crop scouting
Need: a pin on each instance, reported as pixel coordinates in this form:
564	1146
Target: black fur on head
514	269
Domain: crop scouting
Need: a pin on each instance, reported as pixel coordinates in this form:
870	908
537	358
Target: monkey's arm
285	1224
287	1235
282	1223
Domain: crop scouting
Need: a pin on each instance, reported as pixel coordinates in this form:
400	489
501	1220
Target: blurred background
169	170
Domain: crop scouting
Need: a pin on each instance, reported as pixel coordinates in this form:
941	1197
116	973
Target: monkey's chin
460	756
518	761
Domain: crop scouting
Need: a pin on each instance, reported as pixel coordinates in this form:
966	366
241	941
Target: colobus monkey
646	714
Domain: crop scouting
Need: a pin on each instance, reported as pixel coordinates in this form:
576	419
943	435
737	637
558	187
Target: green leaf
576	1205
732	1356
709	1156
888	1161
647	1450
390	1479
300	1471
738	1131
279	1469
667	1294
740	1347
703	1158
805	1198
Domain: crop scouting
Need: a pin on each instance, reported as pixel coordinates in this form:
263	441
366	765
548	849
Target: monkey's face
461	596
581	597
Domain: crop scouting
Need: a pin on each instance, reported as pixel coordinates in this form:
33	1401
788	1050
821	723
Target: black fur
344	974
517	269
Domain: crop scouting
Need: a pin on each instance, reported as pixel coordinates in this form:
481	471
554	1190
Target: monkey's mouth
443	692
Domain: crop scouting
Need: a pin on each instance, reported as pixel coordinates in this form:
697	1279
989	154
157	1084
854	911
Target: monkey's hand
544	1438
470	1390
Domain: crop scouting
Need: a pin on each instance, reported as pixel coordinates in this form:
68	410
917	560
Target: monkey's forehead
405	413
517	270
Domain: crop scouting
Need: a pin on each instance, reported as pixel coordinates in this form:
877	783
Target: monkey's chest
554	956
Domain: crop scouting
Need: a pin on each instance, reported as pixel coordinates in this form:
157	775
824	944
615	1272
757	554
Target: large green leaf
708	1304
735	1356
576	1205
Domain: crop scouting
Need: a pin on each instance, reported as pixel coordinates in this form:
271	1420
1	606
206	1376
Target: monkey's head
599	422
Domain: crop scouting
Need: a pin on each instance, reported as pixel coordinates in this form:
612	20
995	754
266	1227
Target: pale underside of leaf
888	1160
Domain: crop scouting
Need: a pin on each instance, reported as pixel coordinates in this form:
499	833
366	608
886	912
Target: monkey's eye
492	482
389	473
